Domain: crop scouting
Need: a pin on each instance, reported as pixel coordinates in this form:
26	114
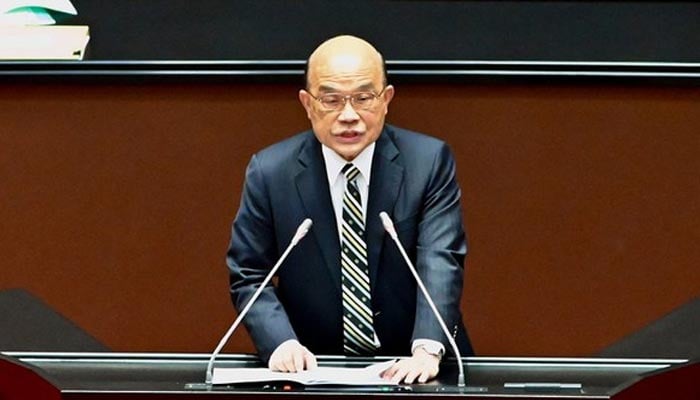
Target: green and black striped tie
357	305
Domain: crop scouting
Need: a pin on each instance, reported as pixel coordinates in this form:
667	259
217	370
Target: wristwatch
432	348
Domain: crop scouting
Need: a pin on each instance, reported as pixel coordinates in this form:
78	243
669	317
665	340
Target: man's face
349	130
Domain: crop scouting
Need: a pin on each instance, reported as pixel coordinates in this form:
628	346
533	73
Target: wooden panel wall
582	204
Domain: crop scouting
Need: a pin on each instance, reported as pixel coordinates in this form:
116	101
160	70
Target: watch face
434	349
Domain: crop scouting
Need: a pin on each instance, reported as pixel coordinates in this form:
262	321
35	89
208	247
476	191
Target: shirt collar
334	162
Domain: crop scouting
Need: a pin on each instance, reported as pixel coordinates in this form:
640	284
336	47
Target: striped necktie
358	332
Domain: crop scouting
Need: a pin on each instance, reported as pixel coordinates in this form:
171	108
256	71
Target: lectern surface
78	375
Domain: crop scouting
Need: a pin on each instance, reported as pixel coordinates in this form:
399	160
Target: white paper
54	42
367	376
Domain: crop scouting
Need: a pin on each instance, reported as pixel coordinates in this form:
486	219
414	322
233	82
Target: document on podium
367	376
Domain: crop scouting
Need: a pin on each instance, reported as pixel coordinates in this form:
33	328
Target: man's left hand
422	367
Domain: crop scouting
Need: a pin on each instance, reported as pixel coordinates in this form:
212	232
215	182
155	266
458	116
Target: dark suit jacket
413	180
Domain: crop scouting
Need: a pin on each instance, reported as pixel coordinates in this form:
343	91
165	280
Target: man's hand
421	365
291	356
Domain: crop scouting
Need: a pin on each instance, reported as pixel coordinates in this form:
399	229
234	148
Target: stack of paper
27	31
368	376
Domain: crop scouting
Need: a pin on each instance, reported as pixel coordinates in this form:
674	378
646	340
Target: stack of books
28	31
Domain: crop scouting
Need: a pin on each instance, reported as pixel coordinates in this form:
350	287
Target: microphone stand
300	233
389	227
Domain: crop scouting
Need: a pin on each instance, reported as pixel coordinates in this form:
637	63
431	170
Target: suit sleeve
252	253
441	250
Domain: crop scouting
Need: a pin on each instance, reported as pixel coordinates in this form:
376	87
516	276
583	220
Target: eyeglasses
337	101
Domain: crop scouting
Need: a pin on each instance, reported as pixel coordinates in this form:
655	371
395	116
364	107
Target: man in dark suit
345	171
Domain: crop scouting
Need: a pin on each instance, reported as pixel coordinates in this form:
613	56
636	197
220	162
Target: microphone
302	230
389	227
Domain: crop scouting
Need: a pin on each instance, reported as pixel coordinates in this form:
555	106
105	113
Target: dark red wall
582	204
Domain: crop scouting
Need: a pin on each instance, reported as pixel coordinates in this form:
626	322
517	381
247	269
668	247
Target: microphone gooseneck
302	230
389	227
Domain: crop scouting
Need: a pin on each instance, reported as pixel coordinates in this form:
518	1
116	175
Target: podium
140	376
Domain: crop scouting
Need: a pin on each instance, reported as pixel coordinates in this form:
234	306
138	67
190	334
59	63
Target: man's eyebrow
362	88
324	88
366	87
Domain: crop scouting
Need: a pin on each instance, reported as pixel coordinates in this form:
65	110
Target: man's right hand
291	356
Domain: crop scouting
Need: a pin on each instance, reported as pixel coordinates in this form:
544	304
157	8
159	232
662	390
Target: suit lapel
386	180
312	185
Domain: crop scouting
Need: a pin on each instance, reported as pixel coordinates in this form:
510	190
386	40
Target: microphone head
302	230
306	225
388	225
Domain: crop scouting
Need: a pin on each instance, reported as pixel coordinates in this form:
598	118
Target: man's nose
348	113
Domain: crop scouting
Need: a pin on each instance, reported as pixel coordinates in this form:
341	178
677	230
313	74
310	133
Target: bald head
345	69
344	54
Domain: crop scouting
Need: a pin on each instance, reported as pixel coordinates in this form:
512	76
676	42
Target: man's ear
305	99
388	94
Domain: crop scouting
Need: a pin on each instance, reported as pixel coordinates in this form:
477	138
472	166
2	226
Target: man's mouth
347	134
